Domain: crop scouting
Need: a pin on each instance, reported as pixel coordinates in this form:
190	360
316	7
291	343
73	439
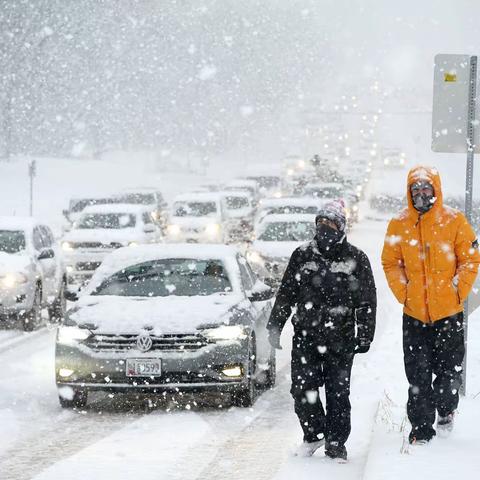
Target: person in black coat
329	291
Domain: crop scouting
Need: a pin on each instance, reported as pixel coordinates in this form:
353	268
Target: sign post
32	172
453	131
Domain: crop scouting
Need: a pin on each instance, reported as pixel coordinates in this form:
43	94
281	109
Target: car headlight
212	229
72	335
173	230
355	208
277	195
67	246
290	172
254	257
225	332
12	279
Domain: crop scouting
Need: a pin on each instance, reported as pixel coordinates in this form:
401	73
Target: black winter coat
332	293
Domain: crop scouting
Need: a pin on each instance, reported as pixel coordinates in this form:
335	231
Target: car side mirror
71	296
261	293
149	228
46	254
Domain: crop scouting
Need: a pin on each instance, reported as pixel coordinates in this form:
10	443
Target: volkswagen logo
144	343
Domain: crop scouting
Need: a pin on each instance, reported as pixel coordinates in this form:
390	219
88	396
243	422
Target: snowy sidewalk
442	459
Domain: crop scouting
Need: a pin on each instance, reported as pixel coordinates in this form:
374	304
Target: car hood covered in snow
102	235
194	222
14	262
158	315
275	249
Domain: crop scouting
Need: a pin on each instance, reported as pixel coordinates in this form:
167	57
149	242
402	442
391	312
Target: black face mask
423	202
327	236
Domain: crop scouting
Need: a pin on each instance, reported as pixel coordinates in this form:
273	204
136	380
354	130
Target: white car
275	240
197	218
168	318
78	204
32	274
150	198
239	212
244	185
325	191
394	158
287	205
101	229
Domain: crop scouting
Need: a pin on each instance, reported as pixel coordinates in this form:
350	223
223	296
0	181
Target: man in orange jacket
431	258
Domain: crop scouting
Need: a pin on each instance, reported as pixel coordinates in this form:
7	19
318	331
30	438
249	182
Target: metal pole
472	99
31	193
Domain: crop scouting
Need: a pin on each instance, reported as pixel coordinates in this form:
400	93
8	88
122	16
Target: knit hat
334	211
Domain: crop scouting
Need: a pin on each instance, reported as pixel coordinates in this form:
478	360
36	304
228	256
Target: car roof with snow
128	256
235	193
324	185
18	223
289	201
242	182
198	197
139	190
288	217
116	208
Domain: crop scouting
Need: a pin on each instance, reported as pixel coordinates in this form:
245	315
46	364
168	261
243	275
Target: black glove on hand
362	345
274	339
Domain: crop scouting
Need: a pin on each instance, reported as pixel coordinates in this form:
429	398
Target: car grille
170	342
94	245
87	266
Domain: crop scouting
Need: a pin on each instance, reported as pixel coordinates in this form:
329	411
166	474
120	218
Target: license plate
144	367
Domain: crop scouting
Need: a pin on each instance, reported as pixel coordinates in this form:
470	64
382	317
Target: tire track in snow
58	441
235	451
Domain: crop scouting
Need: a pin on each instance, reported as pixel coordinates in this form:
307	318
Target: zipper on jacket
426	255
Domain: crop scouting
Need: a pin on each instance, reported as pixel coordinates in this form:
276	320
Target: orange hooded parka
430	260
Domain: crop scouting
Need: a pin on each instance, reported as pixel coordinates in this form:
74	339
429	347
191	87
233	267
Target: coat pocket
443	256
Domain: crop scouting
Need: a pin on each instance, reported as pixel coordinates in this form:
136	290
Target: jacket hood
431	175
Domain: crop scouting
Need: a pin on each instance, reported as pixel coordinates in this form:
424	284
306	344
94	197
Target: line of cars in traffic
162	302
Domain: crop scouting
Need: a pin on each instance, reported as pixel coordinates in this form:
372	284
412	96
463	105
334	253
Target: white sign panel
451	83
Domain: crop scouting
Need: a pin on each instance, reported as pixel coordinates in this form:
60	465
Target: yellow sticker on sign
450	77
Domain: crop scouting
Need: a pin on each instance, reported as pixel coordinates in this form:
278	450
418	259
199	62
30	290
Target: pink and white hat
336	212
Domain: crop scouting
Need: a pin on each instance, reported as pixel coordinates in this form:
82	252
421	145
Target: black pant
315	364
432	349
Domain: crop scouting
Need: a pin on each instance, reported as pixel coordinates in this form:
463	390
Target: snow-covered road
39	440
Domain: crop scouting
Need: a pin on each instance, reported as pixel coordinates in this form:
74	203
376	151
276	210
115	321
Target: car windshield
286	209
138	198
107	220
161	278
12	241
267	182
288	232
236	203
194	209
325	192
77	206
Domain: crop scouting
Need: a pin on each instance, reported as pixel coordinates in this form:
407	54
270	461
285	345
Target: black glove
362	345
274	339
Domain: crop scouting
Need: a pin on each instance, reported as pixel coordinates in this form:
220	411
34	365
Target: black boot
336	450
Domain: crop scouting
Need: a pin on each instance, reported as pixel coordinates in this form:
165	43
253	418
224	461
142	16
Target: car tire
271	373
32	319
56	311
246	397
79	400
